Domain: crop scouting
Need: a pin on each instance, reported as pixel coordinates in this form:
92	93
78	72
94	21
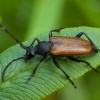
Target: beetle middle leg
79	60
57	30
58	66
94	46
39	62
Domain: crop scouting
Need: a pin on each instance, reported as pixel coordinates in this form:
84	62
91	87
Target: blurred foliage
28	18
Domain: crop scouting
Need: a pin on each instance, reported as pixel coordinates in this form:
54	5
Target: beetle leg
8	66
94	46
79	60
58	66
39	62
57	30
67	36
36	39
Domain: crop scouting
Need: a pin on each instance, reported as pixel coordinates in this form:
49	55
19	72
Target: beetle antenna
24	47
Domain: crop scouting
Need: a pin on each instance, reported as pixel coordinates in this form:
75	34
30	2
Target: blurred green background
28	18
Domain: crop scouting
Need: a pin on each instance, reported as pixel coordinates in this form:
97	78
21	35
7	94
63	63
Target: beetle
57	46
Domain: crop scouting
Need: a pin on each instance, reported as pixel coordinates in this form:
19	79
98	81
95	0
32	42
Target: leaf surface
48	78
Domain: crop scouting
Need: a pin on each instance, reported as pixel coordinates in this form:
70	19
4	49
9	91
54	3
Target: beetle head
30	52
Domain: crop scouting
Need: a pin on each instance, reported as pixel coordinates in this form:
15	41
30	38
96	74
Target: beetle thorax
43	48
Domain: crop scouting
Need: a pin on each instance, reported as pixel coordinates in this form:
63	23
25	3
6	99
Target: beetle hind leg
79	60
58	66
94	46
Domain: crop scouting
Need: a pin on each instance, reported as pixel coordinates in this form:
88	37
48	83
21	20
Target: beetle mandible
57	46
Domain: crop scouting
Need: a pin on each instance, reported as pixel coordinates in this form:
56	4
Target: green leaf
48	78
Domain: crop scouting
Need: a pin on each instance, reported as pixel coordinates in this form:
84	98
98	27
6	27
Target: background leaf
47	78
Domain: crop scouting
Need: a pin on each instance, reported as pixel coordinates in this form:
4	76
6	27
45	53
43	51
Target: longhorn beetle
57	46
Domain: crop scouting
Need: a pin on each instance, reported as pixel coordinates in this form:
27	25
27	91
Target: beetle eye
31	51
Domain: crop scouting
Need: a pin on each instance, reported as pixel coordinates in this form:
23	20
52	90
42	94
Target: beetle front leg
39	62
79	60
3	73
58	66
36	39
